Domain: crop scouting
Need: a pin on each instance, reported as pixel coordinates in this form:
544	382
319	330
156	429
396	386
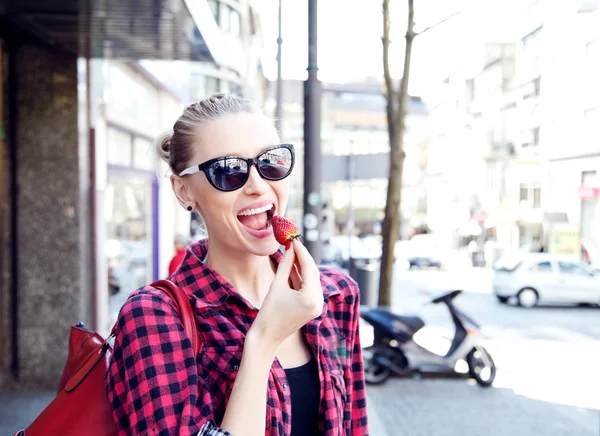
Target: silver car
533	278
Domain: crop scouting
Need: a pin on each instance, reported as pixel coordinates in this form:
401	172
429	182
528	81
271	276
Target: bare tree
396	109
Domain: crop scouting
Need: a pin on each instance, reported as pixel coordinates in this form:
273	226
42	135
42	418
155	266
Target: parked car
532	278
366	247
422	251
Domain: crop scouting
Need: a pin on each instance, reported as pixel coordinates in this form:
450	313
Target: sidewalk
19	408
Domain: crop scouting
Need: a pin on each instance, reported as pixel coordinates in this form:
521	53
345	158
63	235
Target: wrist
258	343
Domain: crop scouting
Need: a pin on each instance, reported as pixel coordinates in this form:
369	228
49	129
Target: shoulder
145	306
335	282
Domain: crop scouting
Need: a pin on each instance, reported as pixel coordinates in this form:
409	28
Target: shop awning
116	29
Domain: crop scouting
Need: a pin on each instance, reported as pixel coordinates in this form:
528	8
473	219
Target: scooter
395	350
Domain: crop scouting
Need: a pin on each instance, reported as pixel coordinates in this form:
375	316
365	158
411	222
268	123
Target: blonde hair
176	147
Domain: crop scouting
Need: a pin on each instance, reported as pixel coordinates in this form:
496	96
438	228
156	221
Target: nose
255	185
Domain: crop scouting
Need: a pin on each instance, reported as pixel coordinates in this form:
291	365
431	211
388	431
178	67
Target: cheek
212	202
282	190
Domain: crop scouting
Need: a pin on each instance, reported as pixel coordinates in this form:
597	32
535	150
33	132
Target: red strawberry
284	230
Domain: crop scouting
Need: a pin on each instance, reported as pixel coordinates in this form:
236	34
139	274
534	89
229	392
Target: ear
182	192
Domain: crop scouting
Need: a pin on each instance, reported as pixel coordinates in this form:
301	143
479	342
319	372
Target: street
547	358
547	381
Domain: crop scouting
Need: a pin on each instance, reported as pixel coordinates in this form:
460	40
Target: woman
280	350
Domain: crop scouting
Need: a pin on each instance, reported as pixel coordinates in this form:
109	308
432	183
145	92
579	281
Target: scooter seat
414	323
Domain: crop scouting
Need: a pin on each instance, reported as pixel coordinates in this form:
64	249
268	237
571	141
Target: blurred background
499	188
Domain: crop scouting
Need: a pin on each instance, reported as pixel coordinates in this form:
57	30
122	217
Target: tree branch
439	22
389	84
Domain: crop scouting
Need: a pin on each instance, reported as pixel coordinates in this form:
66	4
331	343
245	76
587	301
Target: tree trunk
396	109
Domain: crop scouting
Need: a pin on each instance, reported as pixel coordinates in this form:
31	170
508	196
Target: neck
251	275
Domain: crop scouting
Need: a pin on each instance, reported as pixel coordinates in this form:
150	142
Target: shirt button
236	367
284	386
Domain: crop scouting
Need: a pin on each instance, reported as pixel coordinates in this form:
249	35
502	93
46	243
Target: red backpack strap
185	310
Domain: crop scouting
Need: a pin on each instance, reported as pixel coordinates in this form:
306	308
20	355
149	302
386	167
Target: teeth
256	211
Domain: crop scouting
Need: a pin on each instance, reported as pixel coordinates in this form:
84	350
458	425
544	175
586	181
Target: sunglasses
229	173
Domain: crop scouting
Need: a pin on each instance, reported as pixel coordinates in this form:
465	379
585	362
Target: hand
285	309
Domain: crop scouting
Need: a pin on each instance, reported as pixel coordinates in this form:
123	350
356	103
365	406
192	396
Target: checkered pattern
158	387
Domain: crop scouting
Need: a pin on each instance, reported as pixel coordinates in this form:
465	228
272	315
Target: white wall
565	179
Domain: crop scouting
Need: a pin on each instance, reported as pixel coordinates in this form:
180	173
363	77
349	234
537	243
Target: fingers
296	278
305	260
284	268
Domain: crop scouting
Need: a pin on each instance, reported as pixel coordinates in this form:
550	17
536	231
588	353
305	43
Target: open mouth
257	219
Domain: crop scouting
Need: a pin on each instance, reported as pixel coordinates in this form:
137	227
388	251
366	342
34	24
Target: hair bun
163	147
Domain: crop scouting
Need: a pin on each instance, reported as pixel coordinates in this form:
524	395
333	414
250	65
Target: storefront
81	156
132	224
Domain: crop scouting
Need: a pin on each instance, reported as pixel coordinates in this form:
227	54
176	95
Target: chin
264	248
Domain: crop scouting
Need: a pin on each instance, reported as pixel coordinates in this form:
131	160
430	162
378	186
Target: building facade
514	146
355	156
88	214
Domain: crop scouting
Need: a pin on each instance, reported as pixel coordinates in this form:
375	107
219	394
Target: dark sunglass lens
229	174
275	164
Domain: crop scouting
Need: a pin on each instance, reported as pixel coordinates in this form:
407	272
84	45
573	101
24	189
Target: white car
539	277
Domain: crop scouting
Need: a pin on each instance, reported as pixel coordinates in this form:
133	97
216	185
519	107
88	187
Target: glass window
118	147
143	157
213	86
214	8
532	89
197	86
523	194
537	197
128	247
234	22
541	267
572	268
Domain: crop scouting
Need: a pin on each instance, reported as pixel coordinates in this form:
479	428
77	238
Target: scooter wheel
481	366
375	373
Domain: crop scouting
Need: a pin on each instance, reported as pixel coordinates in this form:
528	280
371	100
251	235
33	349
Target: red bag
81	406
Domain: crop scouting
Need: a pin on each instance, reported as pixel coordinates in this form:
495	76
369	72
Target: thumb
284	269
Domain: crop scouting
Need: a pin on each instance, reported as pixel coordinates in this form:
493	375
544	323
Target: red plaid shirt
158	387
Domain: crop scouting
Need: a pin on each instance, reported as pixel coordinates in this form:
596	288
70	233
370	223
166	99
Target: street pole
350	223
279	89
312	142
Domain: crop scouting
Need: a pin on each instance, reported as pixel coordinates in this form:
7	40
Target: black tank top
305	389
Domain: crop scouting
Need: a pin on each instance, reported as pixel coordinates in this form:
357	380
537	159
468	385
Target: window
523	194
532	89
118	147
588	178
197	86
214	8
213	86
124	149
531	193
572	268
541	267
231	21
537	197
591	122
531	137
234	22
142	154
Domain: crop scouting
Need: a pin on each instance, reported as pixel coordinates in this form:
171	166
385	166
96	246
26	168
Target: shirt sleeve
356	387
152	382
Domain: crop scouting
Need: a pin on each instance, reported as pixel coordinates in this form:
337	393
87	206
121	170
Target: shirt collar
209	287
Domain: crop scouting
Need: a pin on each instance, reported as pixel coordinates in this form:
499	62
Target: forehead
245	135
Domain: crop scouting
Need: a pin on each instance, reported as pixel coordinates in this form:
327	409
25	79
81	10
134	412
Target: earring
189	208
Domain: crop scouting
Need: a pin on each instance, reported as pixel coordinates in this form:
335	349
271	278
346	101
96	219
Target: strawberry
284	230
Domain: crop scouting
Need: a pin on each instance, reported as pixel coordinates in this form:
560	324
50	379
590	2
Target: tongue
254	222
